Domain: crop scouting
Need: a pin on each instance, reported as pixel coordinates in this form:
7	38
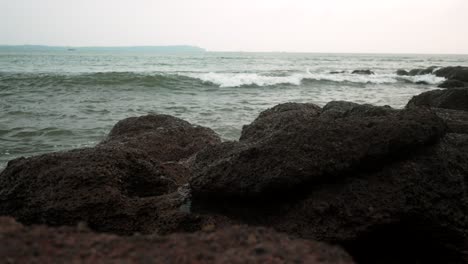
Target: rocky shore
343	183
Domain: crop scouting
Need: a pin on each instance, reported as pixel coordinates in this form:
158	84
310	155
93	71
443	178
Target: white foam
240	79
427	78
354	78
245	79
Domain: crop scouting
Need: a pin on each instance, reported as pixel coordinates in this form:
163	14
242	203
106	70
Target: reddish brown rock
163	137
400	199
277	154
112	188
237	244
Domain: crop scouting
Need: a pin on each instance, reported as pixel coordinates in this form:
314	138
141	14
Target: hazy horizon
333	26
224	51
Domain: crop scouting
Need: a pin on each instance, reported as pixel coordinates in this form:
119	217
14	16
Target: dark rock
452	84
363	72
455	98
411	211
422	82
429	70
392	189
402	72
313	148
280	117
337	72
457	121
112	188
237	244
163	137
453	73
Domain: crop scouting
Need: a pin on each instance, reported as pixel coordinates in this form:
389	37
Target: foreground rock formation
287	147
124	185
237	244
387	185
361	176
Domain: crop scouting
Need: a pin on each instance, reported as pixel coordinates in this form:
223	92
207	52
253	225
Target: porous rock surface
281	150
124	185
163	137
389	185
237	244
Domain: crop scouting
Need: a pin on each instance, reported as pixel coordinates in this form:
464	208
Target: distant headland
159	49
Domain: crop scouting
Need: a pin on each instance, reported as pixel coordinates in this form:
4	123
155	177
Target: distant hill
157	49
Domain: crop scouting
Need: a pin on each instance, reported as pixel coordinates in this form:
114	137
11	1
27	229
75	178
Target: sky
358	26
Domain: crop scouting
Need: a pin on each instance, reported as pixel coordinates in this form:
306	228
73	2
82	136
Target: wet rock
452	84
363	72
312	149
402	72
428	70
163	137
111	188
455	98
237	244
453	73
422	82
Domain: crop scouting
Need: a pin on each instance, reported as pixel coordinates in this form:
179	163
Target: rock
337	72
278	118
453	73
313	148
429	70
411	211
455	98
402	72
163	137
452	84
237	244
422	82
363	72
111	188
393	188
457	121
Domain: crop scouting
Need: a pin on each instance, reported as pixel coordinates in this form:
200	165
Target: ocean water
51	101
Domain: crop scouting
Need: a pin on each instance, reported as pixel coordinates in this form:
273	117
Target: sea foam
254	79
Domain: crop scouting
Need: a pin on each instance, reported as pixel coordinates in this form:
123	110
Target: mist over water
55	101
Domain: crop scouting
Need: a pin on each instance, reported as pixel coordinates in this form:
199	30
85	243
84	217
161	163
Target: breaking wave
249	79
196	79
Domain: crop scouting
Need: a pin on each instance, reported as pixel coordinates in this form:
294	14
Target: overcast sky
389	26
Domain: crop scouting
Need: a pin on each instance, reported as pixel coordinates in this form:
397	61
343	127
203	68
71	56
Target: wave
247	79
95	79
191	79
253	79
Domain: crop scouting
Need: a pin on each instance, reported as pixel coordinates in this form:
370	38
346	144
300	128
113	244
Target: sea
60	100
